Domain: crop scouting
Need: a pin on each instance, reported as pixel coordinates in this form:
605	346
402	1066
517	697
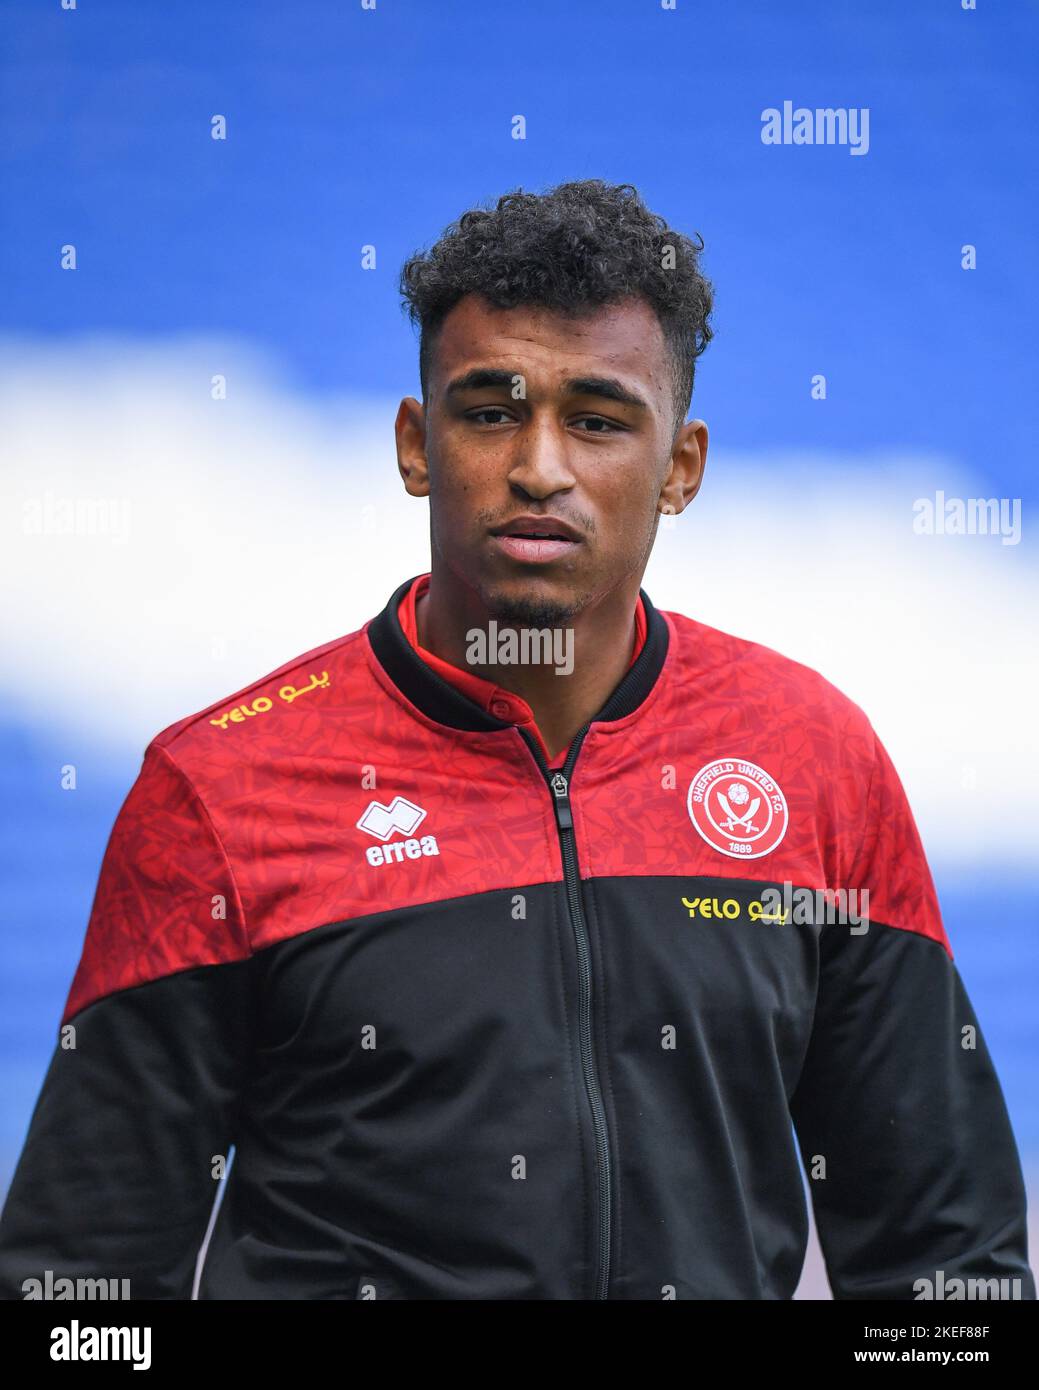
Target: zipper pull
559	788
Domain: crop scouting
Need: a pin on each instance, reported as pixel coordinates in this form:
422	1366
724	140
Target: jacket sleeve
900	1118
117	1177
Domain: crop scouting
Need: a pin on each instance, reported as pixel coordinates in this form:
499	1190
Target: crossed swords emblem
734	819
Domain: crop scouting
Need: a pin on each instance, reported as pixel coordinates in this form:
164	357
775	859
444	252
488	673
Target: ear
410	430
686	468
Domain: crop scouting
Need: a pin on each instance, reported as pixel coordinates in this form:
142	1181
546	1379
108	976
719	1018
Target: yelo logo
730	909
263	703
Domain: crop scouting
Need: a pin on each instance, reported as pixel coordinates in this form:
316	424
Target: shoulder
280	710
179	857
750	674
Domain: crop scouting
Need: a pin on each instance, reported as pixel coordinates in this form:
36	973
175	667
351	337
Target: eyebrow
608	387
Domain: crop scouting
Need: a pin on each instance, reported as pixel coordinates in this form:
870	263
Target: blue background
349	127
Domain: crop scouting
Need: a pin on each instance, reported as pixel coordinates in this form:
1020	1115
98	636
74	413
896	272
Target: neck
596	644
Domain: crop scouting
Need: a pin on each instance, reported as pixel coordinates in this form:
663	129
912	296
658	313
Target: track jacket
480	1028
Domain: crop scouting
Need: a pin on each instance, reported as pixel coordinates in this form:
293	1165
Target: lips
531	550
537	535
536	540
538	528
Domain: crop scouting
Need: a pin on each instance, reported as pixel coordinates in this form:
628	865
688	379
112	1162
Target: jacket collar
441	701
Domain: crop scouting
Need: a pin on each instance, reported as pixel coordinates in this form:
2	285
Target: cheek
626	511
460	475
461	506
469	492
447	491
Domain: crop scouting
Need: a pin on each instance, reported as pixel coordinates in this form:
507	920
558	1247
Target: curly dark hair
575	247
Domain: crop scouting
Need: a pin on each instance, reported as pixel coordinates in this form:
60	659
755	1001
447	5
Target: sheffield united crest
738	808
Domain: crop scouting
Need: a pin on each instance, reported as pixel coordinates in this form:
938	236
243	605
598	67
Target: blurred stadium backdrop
198	471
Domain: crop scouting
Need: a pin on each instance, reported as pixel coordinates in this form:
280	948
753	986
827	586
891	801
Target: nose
540	464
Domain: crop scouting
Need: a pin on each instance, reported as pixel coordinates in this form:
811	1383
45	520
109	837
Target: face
536	421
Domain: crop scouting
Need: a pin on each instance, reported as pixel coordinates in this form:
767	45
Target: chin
528	603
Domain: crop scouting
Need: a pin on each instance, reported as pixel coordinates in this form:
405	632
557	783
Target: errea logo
399	817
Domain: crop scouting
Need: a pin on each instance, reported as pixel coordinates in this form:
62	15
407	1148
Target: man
496	935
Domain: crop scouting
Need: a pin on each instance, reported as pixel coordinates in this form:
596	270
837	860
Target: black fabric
116	1177
944	1191
441	701
404	1093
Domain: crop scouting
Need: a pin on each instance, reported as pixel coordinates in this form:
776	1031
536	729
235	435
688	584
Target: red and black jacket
477	1027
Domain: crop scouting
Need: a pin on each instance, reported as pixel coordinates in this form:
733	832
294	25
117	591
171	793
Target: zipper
559	785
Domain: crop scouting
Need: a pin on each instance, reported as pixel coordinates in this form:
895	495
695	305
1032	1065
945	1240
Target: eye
488	410
600	425
611	428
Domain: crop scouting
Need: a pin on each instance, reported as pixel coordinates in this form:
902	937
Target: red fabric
503	704
241	829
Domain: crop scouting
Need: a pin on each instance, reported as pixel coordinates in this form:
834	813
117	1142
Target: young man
497	936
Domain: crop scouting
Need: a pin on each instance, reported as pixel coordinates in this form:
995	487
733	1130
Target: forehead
625	338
